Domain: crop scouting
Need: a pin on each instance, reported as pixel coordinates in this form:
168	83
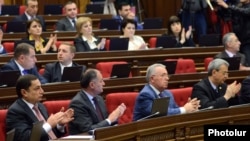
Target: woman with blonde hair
85	40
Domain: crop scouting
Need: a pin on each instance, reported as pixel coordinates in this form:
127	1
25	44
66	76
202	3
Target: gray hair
151	70
227	38
215	65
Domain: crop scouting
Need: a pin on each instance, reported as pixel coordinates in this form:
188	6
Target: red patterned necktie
40	118
97	108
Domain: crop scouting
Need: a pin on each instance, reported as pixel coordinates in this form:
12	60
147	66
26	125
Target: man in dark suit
89	107
244	96
24	60
27	110
69	22
53	71
213	91
232	47
31	13
157	78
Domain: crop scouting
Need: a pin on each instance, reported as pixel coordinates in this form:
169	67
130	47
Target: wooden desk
184	127
69	36
67	90
51	20
136	58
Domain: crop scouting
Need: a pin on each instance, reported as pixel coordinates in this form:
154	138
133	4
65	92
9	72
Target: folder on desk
16	26
120	71
118	44
10	10
36	131
170	65
72	73
152	23
234	62
10	135
109	24
53	9
166	41
9	78
94	8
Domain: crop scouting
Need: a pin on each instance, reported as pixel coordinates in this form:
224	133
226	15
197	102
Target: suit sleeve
83	121
206	99
79	45
245	91
60	26
47	73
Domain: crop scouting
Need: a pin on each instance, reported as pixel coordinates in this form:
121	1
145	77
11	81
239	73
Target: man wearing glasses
213	91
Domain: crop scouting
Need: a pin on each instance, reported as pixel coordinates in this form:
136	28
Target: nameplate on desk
86	137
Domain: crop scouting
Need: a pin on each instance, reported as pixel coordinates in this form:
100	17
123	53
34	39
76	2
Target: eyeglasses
223	72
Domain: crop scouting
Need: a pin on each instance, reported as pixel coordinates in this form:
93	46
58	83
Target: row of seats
181	96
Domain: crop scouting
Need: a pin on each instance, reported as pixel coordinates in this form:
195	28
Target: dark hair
26	1
125	22
22	49
24	82
119	7
68	3
29	24
172	20
87	77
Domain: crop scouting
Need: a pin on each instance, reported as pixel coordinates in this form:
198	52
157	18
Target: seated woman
85	40
42	45
183	37
128	31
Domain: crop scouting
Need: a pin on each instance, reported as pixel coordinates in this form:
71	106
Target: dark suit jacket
144	101
44	44
21	117
11	65
65	25
85	116
23	18
244	96
52	72
82	46
224	54
209	97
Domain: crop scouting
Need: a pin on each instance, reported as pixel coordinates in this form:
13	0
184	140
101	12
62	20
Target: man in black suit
232	47
89	107
53	71
68	23
31	13
25	61
213	91
27	110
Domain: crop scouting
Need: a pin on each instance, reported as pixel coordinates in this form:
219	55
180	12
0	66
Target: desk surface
184	127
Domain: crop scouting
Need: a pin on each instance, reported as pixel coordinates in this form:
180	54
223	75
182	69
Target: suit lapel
26	108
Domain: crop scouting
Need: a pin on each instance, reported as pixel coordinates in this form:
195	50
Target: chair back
115	99
185	66
3	113
152	42
181	95
106	67
207	61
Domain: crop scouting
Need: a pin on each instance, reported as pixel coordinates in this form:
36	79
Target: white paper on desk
78	137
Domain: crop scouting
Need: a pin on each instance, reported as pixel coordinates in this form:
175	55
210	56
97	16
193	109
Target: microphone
149	116
210	5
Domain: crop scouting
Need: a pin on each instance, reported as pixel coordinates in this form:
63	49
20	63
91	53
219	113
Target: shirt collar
154	89
19	66
230	54
85	39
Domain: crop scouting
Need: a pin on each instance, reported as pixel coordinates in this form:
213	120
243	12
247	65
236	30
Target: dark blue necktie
161	95
25	72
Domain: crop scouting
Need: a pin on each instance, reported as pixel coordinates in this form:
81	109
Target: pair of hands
192	105
61	118
101	45
232	90
185	34
117	112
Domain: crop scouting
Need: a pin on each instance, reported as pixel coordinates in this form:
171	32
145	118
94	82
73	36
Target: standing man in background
193	14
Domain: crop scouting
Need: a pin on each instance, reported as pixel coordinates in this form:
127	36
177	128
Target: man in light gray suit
68	23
